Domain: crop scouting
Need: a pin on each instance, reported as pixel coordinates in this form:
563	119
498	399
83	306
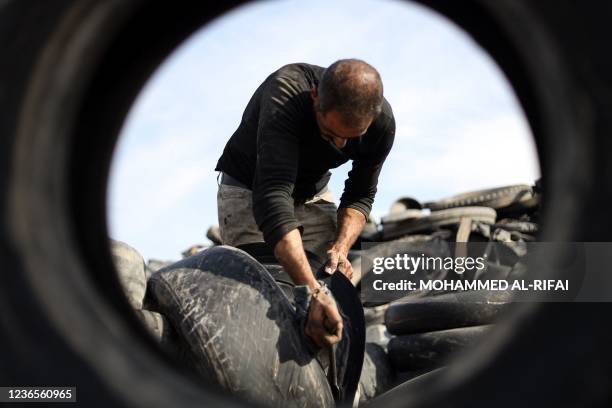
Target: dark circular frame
74	85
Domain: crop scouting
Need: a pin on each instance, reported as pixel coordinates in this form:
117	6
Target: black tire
157	325
401	216
76	67
496	198
431	350
436	220
447	311
222	303
130	268
377	375
405	203
154	265
409	387
524	227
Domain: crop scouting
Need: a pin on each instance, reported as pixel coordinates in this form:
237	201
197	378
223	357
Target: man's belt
228	180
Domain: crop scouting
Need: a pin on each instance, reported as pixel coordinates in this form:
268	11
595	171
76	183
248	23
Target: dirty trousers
237	225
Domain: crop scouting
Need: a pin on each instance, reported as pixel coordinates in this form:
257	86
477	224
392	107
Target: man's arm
324	323
350	225
289	251
273	183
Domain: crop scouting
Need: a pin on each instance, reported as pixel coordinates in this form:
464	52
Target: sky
459	126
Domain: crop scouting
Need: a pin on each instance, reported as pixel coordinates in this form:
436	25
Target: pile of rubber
240	329
406	338
131	273
225	317
419	333
429	330
513	209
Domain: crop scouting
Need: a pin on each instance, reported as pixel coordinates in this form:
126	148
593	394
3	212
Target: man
302	121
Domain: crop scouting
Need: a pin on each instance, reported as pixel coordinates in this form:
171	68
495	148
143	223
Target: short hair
353	88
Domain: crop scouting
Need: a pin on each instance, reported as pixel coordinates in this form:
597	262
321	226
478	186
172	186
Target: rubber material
241	328
349	305
447	311
431	350
157	325
402	215
377	374
130	268
394	396
519	226
495	198
154	265
437	219
405	203
75	67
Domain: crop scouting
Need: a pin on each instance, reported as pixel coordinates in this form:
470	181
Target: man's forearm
350	225
290	253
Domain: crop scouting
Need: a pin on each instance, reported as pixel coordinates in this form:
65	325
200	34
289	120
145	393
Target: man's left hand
337	260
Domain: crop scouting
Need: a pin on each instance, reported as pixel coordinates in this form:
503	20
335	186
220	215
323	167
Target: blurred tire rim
69	123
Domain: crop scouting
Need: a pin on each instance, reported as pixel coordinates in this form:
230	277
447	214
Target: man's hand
337	260
324	323
350	224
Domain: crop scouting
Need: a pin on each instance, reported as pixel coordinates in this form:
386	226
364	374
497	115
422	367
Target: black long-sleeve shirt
279	151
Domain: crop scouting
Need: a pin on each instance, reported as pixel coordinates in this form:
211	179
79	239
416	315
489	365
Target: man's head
349	97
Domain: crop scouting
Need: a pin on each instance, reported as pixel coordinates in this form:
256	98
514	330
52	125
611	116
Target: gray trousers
237	225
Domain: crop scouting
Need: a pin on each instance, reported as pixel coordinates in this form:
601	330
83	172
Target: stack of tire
223	316
420	333
514	208
429	330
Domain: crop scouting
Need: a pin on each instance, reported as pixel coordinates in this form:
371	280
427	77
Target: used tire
405	203
75	69
377	374
496	198
409	387
431	350
402	215
130	268
156	324
223	303
437	219
447	311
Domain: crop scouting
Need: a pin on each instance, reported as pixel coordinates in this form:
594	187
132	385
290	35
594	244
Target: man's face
334	129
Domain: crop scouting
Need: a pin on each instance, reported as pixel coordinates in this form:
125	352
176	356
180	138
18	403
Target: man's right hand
324	323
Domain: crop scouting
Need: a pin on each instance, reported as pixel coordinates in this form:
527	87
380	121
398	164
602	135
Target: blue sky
459	126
